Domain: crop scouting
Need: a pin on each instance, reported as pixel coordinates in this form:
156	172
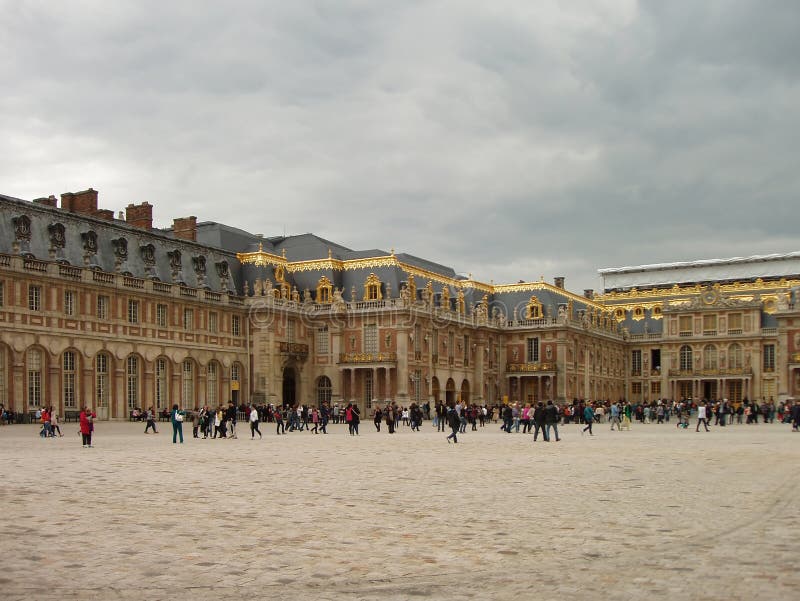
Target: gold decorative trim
260	258
530	367
697	289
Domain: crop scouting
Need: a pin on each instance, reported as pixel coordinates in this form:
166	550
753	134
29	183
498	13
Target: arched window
102	388
735	356
162	394
323	389
686	357
187	387
132	381
68	378
534	309
324	290
372	288
34	364
710	357
212	383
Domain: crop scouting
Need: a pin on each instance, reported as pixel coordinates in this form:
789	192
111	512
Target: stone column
375	387
118	406
402	366
337	386
19	401
52	394
388	377
352	391
479	375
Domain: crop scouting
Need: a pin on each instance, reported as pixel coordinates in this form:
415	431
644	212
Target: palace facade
110	312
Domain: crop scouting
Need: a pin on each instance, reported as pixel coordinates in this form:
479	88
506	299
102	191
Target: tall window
161	383
418	385
2	293
102	307
68	379
69	303
769	357
636	362
212	383
133	311
710	357
188	319
686	357
34	378
466	351
533	350
734	323
236	325
709	325
35	298
685	325
368	387
371	338
3	398
235	372
161	315
212	322
101	380
435	345
187	388
132	381
417	342
735	359
655	390
322	340
451	340
324	389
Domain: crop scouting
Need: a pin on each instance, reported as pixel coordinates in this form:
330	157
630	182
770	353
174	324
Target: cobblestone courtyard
656	513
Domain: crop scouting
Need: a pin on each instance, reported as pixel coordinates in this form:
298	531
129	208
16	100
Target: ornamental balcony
361	358
710	373
531	367
294	350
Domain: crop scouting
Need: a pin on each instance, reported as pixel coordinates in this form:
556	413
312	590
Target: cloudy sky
510	140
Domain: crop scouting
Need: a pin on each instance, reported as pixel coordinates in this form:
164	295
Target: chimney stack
185	228
559	282
140	216
84	202
588	293
50	201
106	214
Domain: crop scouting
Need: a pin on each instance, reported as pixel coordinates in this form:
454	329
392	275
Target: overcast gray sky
511	140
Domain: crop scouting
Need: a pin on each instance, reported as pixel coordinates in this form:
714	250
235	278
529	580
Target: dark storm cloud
510	141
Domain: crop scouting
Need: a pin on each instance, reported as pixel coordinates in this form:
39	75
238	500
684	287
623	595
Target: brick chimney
185	228
140	216
106	214
588	293
84	202
50	201
558	282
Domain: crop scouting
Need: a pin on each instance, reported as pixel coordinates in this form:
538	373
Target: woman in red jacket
87	425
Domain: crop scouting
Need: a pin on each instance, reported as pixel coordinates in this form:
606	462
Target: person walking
151	421
377	418
588	417
539	421
615	416
702	416
86	420
54	422
356	419
324	416
551	420
177	423
315	420
454	421
254	423
230	420
280	428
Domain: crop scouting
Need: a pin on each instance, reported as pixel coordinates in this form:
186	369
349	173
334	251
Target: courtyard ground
655	512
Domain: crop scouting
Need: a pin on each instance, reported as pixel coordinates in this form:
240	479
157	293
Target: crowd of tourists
537	418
